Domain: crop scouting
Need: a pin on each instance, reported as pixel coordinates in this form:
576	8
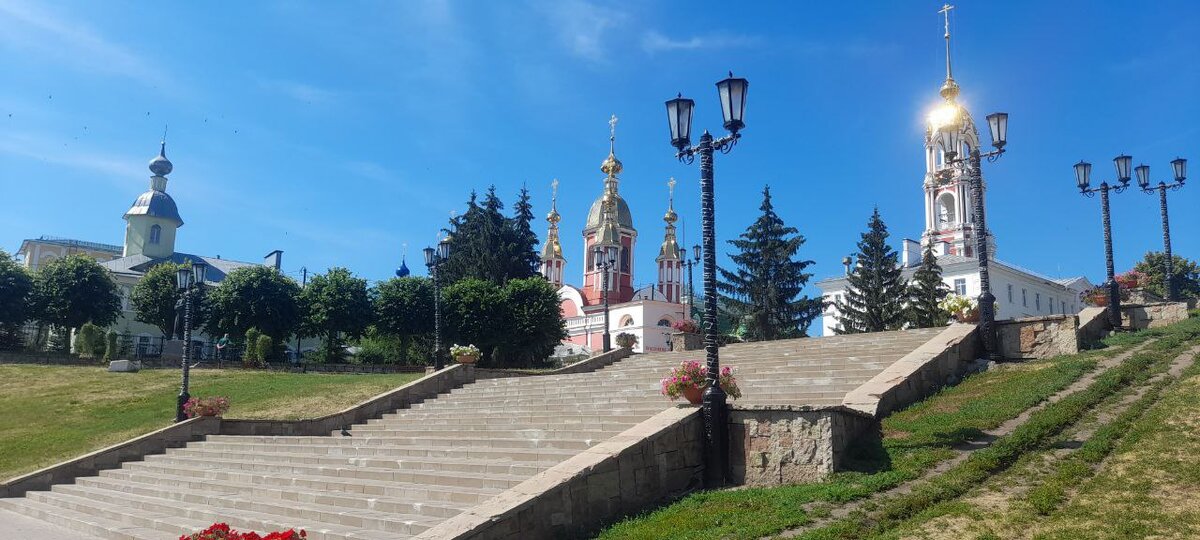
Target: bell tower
151	222
609	226
948	203
552	257
670	267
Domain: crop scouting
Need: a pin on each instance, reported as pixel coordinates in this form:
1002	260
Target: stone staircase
399	475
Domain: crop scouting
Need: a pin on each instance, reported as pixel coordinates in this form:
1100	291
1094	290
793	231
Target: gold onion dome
553	217
671	217
611	166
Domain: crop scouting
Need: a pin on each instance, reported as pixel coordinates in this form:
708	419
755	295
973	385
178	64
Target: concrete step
80	522
504	455
404	464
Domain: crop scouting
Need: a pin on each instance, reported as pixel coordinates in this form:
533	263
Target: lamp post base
180	415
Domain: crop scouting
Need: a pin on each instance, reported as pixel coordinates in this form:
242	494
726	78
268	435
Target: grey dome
155	203
624	217
160	165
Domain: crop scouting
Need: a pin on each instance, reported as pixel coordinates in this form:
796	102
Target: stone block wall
649	464
773	445
940	361
1140	317
681	341
1038	337
155	442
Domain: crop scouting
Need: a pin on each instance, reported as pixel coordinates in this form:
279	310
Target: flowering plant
206	406
464	350
686	326
626	340
962	308
1131	279
690	374
222	531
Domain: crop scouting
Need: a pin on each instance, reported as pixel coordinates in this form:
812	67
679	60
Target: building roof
958	264
140	264
155	203
72	243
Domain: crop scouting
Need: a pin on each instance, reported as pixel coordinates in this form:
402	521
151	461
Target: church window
664	322
1010	300
155	234
626	321
960	286
1024	298
625	260
1037	301
945	209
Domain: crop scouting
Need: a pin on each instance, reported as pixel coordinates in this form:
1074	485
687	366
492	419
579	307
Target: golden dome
949	90
670	217
611	165
553	217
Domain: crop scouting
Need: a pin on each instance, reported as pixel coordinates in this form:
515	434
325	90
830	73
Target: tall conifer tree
925	291
524	257
875	298
764	291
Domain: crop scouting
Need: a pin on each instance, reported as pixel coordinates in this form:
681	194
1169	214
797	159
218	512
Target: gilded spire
949	88
552	249
611	165
670	247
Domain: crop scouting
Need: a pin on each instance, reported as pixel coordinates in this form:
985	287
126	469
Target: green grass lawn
52	413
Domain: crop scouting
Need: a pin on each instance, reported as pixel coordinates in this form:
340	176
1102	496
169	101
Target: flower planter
467	358
971	316
693	394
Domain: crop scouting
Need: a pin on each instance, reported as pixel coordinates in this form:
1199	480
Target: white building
949	231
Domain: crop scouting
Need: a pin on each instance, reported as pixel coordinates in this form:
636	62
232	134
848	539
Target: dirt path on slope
964	450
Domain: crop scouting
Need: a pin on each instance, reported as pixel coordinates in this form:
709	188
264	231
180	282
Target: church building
950	231
609	240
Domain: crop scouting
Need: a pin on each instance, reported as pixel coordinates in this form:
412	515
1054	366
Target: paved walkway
14	525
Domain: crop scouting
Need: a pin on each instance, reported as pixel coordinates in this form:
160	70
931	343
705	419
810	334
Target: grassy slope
51	413
914	440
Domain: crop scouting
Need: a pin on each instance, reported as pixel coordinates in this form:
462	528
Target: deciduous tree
254	297
16	287
73	290
1185	271
335	303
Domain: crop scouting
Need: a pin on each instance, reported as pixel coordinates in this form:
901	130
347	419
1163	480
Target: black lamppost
433	260
189	281
732	92
952	141
606	260
1179	166
689	263
1083	176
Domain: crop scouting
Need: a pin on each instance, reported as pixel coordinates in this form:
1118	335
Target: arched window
155	234
664	322
945	210
626	321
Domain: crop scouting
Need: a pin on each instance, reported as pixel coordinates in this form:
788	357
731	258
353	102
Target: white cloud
118	169
584	28
654	41
32	29
297	90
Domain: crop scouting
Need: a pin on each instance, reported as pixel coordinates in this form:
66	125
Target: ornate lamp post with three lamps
952	141
1083	176
1179	167
433	260
732	92
189	281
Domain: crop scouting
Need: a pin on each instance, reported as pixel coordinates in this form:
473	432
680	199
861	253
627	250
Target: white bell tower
948	202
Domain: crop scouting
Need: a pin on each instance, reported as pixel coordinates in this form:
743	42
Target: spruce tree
763	293
524	257
875	298
925	291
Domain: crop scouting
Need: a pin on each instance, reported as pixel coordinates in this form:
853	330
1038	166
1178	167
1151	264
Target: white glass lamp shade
732	91
1179	165
1143	175
1123	164
1083	175
998	125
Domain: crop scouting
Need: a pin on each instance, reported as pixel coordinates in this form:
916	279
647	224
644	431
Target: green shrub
377	349
264	349
89	341
110	346
250	348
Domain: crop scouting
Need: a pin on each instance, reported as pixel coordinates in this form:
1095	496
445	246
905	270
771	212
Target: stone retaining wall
1140	317
155	442
419	390
1038	337
21	357
940	361
652	463
774	445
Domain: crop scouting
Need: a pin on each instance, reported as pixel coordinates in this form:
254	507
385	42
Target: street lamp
434	260
189	281
1179	167
952	143
689	263
606	261
732	92
1083	176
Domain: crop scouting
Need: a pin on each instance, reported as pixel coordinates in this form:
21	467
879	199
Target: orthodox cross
671	192
945	11
612	128
554	192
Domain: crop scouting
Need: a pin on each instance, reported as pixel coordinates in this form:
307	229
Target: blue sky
339	134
